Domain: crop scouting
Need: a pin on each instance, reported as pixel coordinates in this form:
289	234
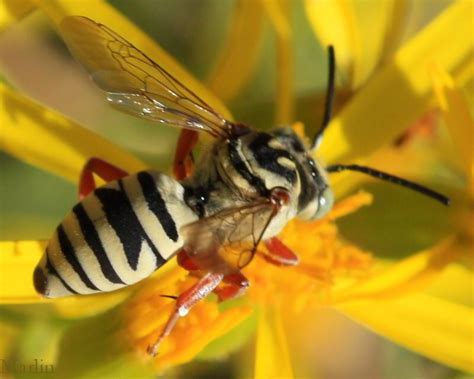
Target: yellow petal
398	12
360	31
456	113
436	328
370	21
373	20
48	140
408	275
278	11
102	12
454	284
17	262
350	205
272	358
238	59
13	10
401	91
333	22
465	77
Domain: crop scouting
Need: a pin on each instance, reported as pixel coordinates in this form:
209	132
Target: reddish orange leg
183	160
185	302
279	253
236	284
185	261
103	169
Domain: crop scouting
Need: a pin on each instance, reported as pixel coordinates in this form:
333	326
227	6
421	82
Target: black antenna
328	106
392	179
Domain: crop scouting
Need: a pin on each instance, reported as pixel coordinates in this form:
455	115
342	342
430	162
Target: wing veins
173	82
119	67
176	98
231	227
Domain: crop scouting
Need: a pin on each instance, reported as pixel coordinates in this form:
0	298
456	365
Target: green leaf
92	348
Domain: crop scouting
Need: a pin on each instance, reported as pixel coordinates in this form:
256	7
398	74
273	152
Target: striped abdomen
119	234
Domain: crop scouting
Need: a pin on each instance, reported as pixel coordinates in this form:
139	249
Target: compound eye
326	201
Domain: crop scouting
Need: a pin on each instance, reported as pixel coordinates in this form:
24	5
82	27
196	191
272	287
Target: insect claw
152	350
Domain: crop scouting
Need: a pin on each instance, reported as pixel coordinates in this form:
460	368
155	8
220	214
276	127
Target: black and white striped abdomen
116	236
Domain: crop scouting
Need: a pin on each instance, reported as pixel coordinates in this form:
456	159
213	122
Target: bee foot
152	350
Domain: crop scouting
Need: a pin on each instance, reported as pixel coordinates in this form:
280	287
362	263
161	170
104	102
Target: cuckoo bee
243	190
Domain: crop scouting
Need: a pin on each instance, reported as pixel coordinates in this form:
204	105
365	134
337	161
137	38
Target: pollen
146	313
327	261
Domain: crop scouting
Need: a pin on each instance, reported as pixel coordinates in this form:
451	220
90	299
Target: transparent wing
134	83
233	233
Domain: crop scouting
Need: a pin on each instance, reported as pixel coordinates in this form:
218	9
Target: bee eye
326	201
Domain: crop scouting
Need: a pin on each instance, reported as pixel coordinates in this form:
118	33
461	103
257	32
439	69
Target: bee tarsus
185	302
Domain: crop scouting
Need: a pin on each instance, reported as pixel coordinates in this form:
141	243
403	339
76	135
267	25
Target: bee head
284	154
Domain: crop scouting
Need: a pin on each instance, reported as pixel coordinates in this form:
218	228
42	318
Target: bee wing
233	232
134	83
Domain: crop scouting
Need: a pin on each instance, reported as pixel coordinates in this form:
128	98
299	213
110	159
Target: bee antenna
392	179
330	92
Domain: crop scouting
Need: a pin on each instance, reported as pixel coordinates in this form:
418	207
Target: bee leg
279	254
185	302
103	169
183	164
236	285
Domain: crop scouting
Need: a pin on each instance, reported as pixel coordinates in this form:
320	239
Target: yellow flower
399	300
146	313
324	260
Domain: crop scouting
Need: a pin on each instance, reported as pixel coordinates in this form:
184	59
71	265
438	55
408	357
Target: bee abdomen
118	235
